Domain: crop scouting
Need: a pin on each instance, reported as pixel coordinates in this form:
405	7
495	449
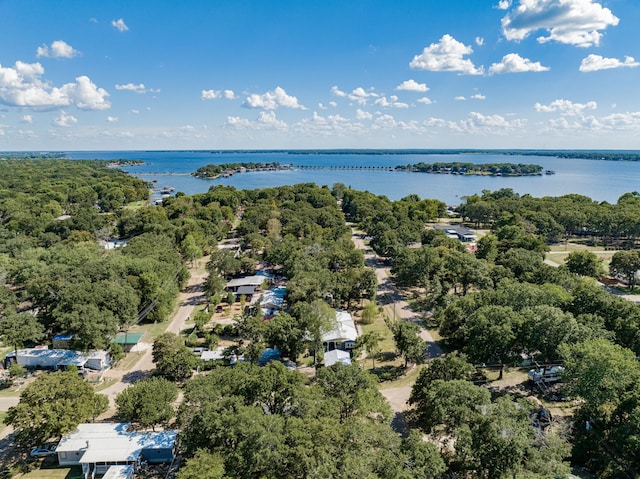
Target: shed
127	340
337	356
98	360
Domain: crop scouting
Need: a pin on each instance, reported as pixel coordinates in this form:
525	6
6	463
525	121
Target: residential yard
45	471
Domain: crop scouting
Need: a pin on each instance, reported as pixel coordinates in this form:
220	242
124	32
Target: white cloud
363	115
503	4
514	63
87	96
392	102
337	92
268	118
23	86
119	25
266	121
573	22
425	100
593	63
565	107
479	41
27	119
459	98
139	88
333	104
478	96
216	94
112	119
495	123
65	120
412	85
447	55
358	95
272	100
134	111
58	49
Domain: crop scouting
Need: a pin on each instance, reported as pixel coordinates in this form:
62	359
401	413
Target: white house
98	446
342	334
337	356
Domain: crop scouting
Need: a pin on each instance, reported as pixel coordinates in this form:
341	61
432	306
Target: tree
408	343
174	361
422	457
53	405
18	328
369	313
625	264
148	403
449	368
203	465
584	263
370	342
285	333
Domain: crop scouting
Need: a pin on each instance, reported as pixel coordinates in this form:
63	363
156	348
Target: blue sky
254	74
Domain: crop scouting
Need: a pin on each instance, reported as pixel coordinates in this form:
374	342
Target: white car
43	451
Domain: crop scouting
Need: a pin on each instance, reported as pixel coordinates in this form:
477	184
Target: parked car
43	451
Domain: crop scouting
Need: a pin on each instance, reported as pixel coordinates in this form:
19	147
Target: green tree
409	345
625	264
370	313
285	333
53	405
18	328
584	263
203	465
148	403
369	342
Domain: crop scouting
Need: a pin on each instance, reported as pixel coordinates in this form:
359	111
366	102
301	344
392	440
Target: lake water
600	180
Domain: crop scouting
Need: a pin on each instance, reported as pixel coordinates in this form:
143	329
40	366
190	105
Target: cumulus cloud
565	107
139	88
119	25
363	115
391	102
459	98
489	123
504	5
412	85
27	119
58	49
514	63
358	95
135	111
216	94
266	121
22	85
65	120
272	100
593	63
112	119
573	22
447	55
478	96
425	100
479	41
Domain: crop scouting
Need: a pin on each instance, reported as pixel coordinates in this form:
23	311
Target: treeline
212	171
557	218
503	304
462	168
55	276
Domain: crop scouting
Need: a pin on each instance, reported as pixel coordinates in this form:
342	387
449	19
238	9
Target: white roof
247	281
336	356
119	472
344	329
214	355
113	442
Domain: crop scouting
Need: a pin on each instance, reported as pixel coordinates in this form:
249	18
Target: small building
337	356
119	472
97	447
342	335
97	360
127	340
249	285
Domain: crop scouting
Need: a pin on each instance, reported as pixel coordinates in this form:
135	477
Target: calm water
600	180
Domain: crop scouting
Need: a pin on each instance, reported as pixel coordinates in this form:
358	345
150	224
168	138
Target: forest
492	308
460	168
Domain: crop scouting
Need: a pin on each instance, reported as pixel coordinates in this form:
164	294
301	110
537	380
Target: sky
305	74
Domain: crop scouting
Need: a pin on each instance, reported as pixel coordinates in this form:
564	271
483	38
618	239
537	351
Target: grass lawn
52	473
3	414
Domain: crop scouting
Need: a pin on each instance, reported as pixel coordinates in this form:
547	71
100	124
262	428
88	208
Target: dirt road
397	308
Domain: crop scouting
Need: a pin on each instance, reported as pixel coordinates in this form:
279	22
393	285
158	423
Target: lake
600	180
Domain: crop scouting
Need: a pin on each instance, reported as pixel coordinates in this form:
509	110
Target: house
37	358
342	334
457	232
99	446
119	472
247	286
337	356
